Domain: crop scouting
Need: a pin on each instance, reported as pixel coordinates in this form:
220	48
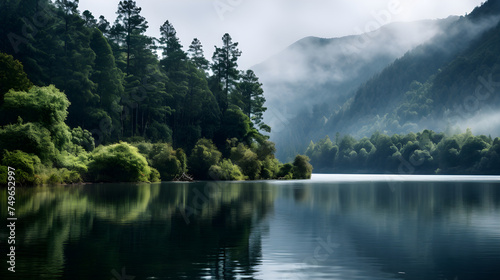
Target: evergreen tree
196	55
109	80
225	67
89	19
252	99
12	75
129	26
73	68
103	25
172	48
68	9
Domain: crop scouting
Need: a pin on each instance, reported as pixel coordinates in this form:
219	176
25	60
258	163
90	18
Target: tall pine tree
130	27
225	68
252	99
196	55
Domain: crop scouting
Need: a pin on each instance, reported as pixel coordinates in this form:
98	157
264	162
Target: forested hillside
311	79
449	83
428	84
76	90
446	84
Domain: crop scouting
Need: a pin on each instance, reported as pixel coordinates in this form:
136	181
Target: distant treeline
426	152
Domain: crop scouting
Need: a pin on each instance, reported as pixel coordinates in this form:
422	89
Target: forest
83	99
425	152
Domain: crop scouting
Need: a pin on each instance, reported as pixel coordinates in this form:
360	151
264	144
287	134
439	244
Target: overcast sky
265	27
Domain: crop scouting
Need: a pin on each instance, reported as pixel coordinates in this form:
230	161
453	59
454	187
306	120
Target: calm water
333	227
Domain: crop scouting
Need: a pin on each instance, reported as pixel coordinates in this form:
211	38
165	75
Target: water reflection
376	230
258	230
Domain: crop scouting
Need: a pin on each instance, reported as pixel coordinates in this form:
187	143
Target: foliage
118	163
302	169
165	160
12	75
247	160
226	170
285	171
426	152
82	137
203	156
25	165
96	84
44	105
31	138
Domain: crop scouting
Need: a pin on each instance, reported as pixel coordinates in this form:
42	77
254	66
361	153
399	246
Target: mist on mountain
406	77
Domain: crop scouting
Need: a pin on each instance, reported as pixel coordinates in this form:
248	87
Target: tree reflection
87	231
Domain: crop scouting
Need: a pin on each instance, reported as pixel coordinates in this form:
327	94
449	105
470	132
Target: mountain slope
315	76
440	75
432	86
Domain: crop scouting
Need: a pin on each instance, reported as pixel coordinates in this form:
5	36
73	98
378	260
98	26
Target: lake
330	227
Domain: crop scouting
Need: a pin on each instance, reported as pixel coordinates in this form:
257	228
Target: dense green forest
83	99
426	152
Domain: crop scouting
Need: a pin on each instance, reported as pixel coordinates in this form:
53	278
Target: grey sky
265	27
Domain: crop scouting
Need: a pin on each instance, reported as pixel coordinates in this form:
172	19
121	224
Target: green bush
155	175
82	137
285	171
226	171
270	168
302	169
59	176
203	156
166	162
247	160
118	163
31	138
71	162
25	165
145	148
47	106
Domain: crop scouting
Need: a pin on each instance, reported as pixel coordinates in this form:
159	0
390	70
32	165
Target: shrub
203	156
166	162
270	168
47	106
247	160
225	171
25	165
82	137
302	169
285	171
155	175
71	162
118	163
31	138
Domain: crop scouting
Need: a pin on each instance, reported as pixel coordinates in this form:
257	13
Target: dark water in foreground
333	227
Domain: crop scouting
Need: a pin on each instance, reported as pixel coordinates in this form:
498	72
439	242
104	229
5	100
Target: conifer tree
225	68
172	48
253	99
196	55
129	26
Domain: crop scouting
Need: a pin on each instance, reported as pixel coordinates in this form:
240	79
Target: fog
264	28
326	71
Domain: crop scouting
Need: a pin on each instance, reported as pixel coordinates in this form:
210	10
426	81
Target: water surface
331	227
